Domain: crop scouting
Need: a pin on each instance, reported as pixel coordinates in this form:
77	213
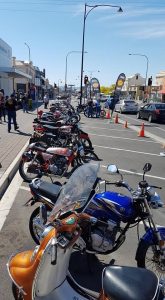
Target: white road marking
145	123
9	197
122	138
127	150
136	173
104	128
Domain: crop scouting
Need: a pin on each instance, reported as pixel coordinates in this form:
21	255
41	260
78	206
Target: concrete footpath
13	144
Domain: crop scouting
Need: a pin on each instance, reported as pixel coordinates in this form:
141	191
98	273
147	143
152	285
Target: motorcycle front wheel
89	156
149	257
35	226
29	170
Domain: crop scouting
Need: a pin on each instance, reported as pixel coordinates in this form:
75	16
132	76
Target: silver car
126	106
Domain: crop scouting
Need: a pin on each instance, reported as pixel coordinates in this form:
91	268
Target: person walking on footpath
1	105
25	103
46	100
11	106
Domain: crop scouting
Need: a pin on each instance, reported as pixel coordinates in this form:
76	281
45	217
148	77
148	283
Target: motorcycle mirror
112	169
147	167
43	214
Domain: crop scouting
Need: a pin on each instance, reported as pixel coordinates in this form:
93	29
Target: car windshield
76	191
129	102
160	106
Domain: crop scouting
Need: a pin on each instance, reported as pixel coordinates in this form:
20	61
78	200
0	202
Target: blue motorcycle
109	211
113	209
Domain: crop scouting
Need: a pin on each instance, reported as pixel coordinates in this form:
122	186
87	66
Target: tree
107	90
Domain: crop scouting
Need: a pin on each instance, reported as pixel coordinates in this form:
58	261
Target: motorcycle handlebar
156	187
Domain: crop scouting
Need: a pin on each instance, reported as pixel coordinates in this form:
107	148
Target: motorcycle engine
103	238
59	166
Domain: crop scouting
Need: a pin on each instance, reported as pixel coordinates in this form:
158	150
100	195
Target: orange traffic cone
141	132
108	116
116	121
125	124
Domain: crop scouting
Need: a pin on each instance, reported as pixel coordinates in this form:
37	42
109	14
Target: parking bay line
122	138
136	173
127	150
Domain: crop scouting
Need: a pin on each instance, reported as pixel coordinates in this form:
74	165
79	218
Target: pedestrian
46	100
1	105
11	106
25	103
90	108
98	108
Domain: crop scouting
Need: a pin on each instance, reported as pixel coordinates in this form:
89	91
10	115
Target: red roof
161	91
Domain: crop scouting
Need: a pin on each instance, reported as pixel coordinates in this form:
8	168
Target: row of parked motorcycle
83	215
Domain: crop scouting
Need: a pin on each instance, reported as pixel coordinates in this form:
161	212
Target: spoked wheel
36	228
89	156
17	295
29	170
102	113
150	258
87	144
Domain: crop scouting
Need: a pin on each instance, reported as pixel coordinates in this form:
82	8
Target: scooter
43	274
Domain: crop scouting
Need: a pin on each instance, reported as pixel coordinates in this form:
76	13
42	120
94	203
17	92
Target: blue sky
52	28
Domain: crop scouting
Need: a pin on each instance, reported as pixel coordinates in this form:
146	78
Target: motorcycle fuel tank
115	206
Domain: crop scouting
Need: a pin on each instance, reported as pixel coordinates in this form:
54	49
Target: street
114	144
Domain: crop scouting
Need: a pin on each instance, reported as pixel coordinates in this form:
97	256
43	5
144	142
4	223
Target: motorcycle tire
16	294
153	262
89	156
87	144
35	234
24	175
86	112
102	113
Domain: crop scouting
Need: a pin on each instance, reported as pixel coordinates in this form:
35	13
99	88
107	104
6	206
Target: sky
53	28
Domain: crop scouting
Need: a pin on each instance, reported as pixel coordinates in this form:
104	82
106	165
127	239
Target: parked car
152	112
126	106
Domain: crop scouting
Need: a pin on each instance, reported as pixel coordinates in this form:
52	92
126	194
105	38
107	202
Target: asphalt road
114	145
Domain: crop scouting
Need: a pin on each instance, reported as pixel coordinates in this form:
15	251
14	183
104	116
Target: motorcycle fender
30	202
149	239
27	156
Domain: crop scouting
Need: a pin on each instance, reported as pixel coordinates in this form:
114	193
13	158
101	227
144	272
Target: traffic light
85	79
55	85
150	81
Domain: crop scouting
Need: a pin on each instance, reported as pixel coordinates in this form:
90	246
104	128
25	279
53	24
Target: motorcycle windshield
76	191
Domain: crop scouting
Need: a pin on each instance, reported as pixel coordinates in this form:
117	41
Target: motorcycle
38	160
117	214
61	136
44	273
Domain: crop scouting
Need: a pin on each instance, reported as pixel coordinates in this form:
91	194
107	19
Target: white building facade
5	62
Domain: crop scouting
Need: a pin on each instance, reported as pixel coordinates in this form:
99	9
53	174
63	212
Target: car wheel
150	119
138	115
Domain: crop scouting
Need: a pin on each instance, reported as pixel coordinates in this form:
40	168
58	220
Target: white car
126	106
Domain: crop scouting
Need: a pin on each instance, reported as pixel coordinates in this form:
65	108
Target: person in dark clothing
11	105
90	108
25	103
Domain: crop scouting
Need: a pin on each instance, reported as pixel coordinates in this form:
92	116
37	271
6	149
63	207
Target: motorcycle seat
51	128
45	189
129	283
46	122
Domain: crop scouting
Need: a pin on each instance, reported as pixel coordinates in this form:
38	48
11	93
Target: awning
161	92
14	73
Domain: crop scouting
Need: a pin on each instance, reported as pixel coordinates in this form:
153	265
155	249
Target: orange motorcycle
44	273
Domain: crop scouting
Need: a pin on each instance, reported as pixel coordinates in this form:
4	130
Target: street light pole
29	51
29	62
139	54
66	66
91	7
